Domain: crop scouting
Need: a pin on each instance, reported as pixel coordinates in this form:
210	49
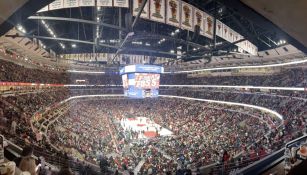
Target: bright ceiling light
73	45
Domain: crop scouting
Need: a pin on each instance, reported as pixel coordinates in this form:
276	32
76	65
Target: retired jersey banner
173	12
71	3
219	28
186	16
57	4
199	20
209	24
121	3
104	3
86	3
137	6
157	10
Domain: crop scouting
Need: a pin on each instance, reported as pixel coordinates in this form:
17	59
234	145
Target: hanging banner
186	16
137	6
239	37
230	35
104	3
57	4
235	36
71	3
173	12
219	28
121	3
199	20
225	32
157	10
208	25
86	3
44	9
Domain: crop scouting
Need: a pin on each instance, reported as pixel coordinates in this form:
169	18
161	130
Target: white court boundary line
187	98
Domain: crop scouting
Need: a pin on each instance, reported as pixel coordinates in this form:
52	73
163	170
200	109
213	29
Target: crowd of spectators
201	131
296	77
10	72
91	129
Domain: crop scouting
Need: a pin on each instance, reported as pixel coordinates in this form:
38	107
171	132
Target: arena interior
153	87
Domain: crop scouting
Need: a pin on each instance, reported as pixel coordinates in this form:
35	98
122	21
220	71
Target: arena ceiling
80	24
288	15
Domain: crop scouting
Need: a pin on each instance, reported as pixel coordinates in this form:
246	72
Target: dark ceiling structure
77	30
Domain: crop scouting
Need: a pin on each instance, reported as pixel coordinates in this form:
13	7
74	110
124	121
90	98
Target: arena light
50	31
62	45
242	67
21	28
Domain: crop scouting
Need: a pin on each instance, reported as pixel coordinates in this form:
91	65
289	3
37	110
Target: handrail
269	161
295	140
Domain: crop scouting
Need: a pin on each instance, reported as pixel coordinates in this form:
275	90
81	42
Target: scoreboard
141	81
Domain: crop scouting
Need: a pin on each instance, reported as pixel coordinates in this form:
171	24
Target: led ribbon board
141	81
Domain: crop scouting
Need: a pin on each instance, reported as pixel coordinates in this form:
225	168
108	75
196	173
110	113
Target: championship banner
121	3
230	35
225	32
157	10
244	45
248	47
40	44
235	36
199	20
35	42
208	25
186	16
219	28
136	8
173	12
71	3
57	4
240	44
104	3
86	3
44	9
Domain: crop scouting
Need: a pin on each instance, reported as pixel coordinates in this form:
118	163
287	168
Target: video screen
141	81
125	81
147	81
141	85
